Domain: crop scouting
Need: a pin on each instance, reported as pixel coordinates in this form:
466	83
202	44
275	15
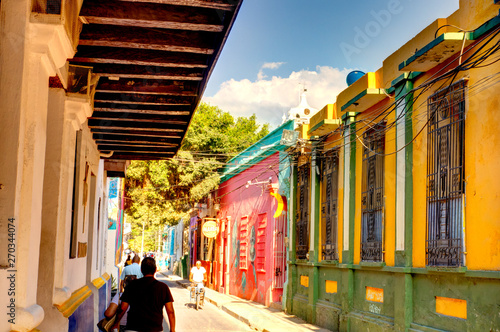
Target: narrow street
208	318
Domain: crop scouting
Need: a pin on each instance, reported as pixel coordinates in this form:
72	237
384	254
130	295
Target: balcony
325	121
362	94
437	51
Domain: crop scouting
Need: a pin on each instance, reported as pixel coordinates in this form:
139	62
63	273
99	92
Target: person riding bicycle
198	276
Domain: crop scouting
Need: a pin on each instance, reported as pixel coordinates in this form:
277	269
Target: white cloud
268	65
270	98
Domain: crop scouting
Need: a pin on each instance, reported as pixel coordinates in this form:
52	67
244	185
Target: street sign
210	229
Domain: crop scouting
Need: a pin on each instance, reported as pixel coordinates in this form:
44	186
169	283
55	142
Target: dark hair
148	266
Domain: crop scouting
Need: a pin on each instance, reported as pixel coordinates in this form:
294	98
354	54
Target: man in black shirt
147	297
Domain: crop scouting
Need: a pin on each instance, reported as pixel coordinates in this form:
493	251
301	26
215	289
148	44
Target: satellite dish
353	76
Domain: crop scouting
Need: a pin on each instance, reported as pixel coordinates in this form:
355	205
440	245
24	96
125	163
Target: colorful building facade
395	221
250	248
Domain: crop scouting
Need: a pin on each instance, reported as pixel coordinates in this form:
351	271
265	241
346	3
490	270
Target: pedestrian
128	261
198	274
146	298
112	309
130	272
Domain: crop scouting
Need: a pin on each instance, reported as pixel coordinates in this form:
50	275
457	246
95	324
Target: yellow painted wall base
375	294
331	286
451	307
304	281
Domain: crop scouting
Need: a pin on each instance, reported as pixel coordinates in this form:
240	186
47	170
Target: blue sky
277	46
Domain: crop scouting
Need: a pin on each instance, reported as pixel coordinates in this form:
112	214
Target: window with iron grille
302	227
372	194
243	242
445	176
329	188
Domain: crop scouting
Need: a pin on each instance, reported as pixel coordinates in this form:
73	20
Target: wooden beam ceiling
152	59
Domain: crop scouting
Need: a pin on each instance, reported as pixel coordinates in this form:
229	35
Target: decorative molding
77	111
98	282
61	295
28	318
53	41
77	298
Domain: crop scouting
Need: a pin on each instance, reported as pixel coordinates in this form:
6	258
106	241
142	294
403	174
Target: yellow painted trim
106	276
304	281
98	282
77	298
375	294
331	286
451	307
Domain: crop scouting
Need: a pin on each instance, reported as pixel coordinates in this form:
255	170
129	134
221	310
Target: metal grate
302	246
445	176
372	195
329	205
280	232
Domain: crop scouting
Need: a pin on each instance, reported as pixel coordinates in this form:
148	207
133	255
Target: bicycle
197	294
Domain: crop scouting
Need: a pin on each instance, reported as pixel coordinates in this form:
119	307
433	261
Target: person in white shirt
111	311
198	274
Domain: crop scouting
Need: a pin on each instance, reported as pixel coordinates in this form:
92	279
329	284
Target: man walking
130	272
146	298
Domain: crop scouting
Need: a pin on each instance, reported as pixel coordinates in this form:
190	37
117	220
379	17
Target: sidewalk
256	315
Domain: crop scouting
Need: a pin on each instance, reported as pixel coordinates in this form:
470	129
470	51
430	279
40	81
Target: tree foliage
161	192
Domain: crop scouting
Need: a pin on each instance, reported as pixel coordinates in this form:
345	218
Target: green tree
161	192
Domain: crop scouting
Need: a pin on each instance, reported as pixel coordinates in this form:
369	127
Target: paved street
209	318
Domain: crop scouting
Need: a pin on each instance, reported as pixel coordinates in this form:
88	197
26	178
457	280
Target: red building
250	255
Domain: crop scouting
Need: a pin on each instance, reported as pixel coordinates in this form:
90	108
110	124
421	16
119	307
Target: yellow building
402	217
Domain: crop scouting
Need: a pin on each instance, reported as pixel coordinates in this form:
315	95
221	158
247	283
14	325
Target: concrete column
65	117
31	53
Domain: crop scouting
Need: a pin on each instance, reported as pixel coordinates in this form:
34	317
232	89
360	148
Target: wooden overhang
153	59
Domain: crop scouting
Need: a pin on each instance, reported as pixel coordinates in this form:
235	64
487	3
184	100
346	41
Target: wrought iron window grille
445	176
329	204
372	194
302	226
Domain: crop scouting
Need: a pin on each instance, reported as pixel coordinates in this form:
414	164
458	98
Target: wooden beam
141	156
134	143
147	72
151	15
157	118
137	121
127	56
139	111
136	126
155	87
136	99
113	137
135	149
139	133
144	38
228	5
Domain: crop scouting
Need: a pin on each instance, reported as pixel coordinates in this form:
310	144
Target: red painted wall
251	231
